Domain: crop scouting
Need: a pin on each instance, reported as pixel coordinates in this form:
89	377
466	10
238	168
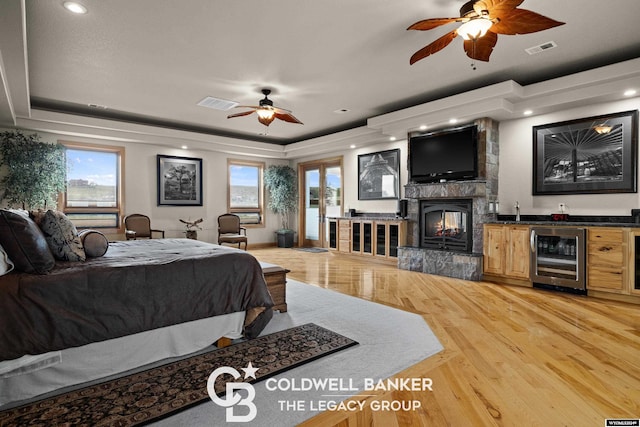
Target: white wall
350	178
140	195
516	168
515	178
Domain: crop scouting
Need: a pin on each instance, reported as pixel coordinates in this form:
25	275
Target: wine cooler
558	259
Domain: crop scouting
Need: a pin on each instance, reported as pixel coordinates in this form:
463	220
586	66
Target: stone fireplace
446	256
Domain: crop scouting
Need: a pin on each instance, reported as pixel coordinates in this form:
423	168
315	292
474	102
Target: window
245	191
94	186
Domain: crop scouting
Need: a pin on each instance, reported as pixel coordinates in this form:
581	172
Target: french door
320	197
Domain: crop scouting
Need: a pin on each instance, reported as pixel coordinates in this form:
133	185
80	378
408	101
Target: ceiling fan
482	21
266	111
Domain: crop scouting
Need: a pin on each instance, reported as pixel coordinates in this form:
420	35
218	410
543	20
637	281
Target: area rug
312	250
390	340
156	393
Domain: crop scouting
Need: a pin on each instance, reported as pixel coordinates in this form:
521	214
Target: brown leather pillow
24	242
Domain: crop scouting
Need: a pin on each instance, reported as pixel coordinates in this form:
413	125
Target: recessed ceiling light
527	112
393	138
184	147
74	7
630	92
452	121
423	127
352	146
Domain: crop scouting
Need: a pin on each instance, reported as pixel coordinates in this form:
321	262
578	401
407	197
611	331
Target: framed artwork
179	181
591	155
379	175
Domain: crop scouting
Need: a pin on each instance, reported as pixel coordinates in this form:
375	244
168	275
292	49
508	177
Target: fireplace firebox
446	224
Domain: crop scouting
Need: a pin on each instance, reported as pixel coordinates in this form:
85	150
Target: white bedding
97	360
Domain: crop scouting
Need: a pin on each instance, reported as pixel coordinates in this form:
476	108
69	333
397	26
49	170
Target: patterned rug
312	250
155	393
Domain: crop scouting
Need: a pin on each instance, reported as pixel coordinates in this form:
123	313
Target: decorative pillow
62	237
24	242
94	242
5	263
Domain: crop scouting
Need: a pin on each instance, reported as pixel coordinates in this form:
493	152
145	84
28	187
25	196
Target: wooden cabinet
612	259
333	234
506	250
344	235
606	259
493	256
389	235
370	237
517	256
633	262
362	237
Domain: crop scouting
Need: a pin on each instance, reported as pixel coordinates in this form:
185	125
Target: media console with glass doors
379	238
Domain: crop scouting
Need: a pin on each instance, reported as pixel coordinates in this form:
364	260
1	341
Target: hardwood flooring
513	356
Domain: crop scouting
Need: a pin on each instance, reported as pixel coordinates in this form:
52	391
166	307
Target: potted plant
281	182
36	170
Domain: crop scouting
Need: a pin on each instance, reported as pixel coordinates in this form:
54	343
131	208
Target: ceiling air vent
541	47
217	103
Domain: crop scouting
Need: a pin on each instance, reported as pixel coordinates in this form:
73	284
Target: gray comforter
137	286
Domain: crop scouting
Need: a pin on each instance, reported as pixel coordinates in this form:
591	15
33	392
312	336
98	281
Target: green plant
283	191
35	172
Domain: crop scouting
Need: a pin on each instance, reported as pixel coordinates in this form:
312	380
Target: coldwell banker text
342	385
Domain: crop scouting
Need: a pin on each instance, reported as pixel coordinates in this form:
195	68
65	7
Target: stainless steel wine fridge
558	259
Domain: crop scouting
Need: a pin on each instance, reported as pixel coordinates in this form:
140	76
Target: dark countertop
574	221
545	220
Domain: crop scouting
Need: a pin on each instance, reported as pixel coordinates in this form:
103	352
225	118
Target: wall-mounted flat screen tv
450	154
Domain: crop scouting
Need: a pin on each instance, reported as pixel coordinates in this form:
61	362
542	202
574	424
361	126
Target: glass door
558	257
321	197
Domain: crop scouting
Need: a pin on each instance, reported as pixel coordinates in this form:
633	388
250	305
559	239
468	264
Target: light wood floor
513	356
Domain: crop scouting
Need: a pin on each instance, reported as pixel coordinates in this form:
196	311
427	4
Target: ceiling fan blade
521	21
434	47
493	5
244	113
287	117
481	48
281	110
428	24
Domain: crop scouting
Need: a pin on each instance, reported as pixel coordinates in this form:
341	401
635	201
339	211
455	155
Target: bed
143	301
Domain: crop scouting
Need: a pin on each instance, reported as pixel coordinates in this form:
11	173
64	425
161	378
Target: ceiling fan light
475	28
265	113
